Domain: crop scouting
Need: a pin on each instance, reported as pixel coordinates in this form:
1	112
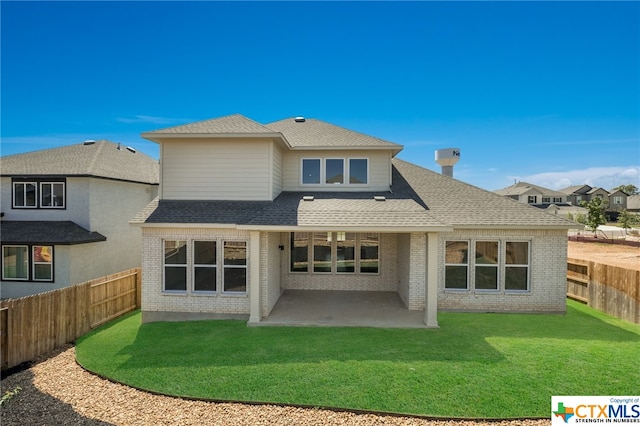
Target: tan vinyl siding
234	169
276	170
379	170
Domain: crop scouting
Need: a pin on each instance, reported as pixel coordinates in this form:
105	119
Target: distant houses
66	211
565	201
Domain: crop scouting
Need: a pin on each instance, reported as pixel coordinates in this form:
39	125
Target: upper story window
39	193
557	199
334	171
532	199
617	199
546	199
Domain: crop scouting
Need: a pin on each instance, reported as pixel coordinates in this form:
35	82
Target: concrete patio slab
342	309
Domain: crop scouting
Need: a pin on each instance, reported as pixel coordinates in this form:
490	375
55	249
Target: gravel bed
56	391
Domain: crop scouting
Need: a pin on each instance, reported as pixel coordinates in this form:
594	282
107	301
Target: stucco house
248	212
66	211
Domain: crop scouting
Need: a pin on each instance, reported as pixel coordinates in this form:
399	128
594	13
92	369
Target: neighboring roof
99	159
594	190
420	199
633	202
230	124
46	232
576	189
522	188
313	134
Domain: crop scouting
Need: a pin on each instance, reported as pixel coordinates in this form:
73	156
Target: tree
628	189
595	215
626	219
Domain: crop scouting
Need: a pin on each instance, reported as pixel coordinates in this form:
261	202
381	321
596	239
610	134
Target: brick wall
548	270
153	297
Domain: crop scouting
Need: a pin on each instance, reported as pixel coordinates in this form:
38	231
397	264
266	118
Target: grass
475	365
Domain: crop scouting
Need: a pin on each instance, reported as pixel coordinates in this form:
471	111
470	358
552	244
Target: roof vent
131	149
89	142
300	119
308	198
380	198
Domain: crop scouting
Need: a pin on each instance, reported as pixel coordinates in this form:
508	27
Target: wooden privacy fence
33	325
610	289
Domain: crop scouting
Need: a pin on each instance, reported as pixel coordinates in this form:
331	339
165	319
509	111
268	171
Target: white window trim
468	265
24	194
528	266
34	263
345	172
204	265
3	265
165	264
39	197
482	265
245	267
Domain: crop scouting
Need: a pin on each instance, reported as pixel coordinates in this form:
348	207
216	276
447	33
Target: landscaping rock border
57	391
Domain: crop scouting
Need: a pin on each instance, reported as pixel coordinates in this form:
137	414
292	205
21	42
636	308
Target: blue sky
543	92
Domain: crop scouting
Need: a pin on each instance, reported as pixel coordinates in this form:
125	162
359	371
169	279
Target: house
66	212
553	202
248	212
615	201
633	203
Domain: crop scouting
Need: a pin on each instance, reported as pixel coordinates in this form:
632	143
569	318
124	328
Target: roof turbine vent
447	158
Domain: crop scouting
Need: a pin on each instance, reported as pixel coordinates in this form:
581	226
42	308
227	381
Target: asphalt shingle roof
312	133
523	187
230	124
99	159
46	232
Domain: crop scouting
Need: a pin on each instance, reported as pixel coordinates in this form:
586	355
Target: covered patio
339	308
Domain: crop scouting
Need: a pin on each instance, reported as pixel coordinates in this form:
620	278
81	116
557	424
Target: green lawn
475	365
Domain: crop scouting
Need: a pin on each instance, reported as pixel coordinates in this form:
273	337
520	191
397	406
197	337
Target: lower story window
456	265
517	266
202	259
27	262
335	252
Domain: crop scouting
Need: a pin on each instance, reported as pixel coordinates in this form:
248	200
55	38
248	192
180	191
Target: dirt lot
610	254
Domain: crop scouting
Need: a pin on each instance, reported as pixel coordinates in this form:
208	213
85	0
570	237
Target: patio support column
431	287
254	276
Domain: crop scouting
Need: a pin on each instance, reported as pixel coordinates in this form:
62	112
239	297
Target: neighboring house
247	211
553	202
616	201
66	212
633	203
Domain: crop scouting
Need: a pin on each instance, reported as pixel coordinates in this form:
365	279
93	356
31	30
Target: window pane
334	171
486	277
18	194
322	252
311	171
235	253
299	252
52	194
175	252
235	279
457	252
517	253
58	194
358	170
175	278
487	252
346	252
45	194
455	277
204	252
369	253
42	254
205	279
516	278
42	272
15	262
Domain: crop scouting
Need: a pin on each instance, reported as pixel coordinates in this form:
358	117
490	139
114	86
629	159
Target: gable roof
99	159
235	124
522	188
576	189
313	134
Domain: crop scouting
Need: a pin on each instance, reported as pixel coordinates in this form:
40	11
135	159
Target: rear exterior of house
65	214
247	211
